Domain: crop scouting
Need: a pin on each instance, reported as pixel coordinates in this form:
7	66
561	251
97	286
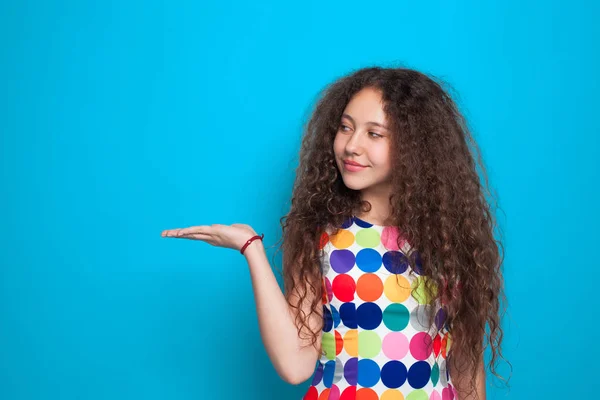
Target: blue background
121	120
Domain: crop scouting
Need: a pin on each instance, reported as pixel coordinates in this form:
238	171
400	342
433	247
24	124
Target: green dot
368	237
396	317
369	344
420	293
418	394
435	374
328	343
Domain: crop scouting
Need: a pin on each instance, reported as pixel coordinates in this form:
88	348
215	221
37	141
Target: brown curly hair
437	203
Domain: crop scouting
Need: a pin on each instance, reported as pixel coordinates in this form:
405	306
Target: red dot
339	343
437	344
324	292
344	287
349	393
323	241
311	394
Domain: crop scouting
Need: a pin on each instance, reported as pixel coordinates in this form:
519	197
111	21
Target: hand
232	236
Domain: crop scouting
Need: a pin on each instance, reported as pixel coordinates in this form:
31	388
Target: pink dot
421	346
395	345
389	238
435	396
328	288
389	235
447	394
334	393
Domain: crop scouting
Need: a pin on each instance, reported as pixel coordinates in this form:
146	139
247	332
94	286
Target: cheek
338	146
381	156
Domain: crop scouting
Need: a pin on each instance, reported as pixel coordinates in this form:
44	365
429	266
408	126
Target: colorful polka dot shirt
376	343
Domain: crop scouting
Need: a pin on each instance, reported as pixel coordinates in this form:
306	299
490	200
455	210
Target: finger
195	236
186	231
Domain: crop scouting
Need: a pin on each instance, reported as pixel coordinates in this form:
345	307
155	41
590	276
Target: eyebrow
368	123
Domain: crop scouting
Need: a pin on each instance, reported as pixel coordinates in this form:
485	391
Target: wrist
253	248
250	241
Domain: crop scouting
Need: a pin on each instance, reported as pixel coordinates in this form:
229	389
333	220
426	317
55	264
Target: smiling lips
353	163
352	166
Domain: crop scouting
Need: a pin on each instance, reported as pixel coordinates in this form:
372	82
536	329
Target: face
363	138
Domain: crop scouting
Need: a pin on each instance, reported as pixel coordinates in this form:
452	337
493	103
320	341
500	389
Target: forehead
366	105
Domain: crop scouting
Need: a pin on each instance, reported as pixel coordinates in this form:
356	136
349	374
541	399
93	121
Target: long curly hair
437	203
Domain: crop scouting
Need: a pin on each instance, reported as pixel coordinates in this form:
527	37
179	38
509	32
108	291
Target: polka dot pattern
377	340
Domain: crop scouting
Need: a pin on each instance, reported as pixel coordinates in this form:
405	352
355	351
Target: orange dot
324	394
369	287
366	394
342	239
392	394
351	342
444	345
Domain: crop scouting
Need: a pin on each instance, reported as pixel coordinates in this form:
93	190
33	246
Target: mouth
352	163
353	167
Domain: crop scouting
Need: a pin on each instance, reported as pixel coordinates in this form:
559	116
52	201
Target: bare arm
293	357
462	384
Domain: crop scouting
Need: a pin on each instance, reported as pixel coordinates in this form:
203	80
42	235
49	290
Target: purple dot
351	371
318	374
342	261
440	318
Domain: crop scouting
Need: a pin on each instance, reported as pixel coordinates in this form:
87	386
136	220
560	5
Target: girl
391	270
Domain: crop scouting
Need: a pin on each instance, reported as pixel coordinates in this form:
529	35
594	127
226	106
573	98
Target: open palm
232	236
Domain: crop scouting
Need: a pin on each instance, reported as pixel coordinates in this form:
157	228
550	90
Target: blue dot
347	223
362	223
369	315
327	319
393	374
419	374
418	265
348	315
328	373
335	315
368	260
395	261
368	372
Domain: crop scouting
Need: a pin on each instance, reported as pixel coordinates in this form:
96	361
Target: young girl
391	269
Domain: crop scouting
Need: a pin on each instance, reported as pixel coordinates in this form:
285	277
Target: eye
376	134
342	127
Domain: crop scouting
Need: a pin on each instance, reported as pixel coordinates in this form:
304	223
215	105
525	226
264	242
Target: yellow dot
351	342
392	394
396	288
343	239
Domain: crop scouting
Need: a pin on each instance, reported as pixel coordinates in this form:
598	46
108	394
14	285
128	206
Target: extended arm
293	358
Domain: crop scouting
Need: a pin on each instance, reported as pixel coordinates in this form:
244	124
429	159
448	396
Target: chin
352	185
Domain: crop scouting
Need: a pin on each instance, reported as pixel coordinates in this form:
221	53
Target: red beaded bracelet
250	241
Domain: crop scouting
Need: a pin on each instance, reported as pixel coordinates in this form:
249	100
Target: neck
380	207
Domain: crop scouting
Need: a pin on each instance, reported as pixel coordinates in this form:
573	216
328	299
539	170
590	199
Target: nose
354	143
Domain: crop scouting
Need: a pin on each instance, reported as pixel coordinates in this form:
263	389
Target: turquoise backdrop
119	119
